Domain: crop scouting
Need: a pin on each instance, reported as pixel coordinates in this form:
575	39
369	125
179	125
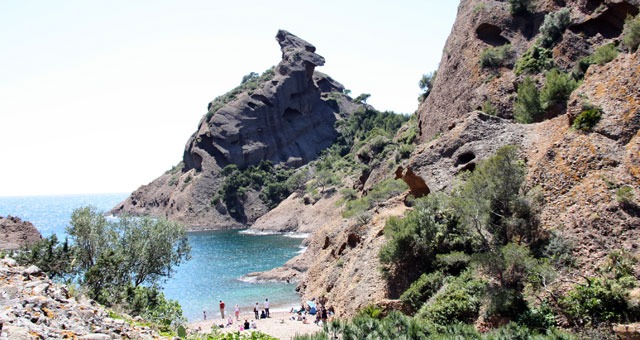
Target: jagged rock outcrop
286	116
16	233
33	307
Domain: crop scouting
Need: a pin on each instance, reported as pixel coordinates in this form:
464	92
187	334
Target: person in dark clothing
263	315
246	324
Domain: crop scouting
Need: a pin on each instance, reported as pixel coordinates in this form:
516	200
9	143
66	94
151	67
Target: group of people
246	325
321	315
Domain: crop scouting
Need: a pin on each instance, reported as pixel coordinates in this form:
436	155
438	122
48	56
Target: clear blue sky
101	96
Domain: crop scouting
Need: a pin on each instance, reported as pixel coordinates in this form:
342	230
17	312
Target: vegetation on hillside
365	139
479	254
250	82
117	263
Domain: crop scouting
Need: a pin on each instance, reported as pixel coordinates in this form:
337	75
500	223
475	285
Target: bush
587	118
378	194
624	195
601	56
430	228
488	108
528	107
600	300
534	60
631	33
553	27
426	84
604	54
557	88
422	289
520	6
459	301
496	56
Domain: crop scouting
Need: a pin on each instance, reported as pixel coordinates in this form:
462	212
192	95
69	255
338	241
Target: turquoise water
220	259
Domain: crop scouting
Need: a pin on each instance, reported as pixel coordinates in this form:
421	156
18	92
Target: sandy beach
278	325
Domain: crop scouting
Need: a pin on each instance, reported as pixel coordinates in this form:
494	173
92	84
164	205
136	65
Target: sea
220	259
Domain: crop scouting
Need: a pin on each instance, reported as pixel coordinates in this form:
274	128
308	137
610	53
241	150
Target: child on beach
237	311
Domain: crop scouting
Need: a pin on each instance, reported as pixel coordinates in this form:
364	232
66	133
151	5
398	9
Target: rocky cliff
287	116
469	114
17	233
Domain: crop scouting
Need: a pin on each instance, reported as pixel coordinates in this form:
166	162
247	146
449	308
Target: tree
528	106
362	98
131	251
426	84
152	247
489	200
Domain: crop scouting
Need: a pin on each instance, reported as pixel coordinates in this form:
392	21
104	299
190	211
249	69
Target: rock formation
33	307
286	116
16	233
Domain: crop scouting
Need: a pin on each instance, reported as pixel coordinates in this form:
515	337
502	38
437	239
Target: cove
220	259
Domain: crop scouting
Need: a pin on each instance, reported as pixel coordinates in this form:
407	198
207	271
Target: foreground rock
15	233
286	116
33	307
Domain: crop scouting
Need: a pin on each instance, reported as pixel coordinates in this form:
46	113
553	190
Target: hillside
285	116
587	175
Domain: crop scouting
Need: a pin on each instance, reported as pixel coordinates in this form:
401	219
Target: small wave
289	234
297	235
302	250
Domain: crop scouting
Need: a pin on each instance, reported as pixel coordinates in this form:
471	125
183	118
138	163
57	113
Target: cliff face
17	233
462	85
287	116
578	172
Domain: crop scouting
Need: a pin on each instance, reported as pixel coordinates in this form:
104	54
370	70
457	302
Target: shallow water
219	258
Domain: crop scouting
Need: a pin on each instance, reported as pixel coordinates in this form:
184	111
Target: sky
101	96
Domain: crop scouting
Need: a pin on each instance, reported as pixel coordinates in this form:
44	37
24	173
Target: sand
278	325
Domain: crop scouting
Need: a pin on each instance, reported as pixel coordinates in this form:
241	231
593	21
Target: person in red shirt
221	309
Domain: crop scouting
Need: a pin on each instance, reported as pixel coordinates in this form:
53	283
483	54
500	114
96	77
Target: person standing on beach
237	311
204	313
255	310
266	307
221	309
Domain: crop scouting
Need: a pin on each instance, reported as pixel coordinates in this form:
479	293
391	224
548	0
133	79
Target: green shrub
599	300
430	228
459	301
528	107
559	251
496	56
426	84
557	88
601	56
534	60
554	26
587	118
453	263
378	194
422	289
604	54
520	6
540	318
488	108
631	33
624	195
405	150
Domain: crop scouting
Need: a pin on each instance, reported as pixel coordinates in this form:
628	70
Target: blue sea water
220	259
